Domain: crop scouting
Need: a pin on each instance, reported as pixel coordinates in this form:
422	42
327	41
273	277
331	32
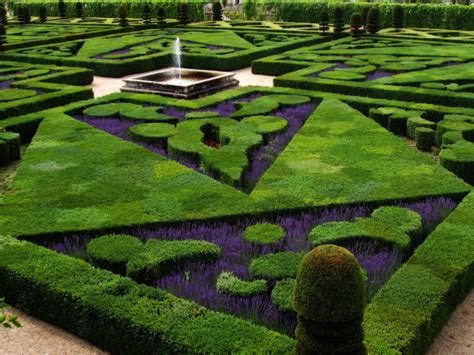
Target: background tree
3	16
338	20
183	14
373	20
42	13
161	17
323	21
62	9
146	14
123	21
356	24
79	10
216	11
397	17
329	300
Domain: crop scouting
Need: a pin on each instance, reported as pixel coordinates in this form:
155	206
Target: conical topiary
364	13
373	20
62	9
79	10
183	14
329	299
123	21
324	21
146	14
160	16
338	20
26	18
216	11
356	24
397	17
19	13
42	13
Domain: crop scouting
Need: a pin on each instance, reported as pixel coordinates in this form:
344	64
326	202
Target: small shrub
365	13
123	21
279	266
329	300
62	9
283	294
356	24
397	17
264	233
414	122
216	11
112	252
146	14
3	16
79	10
228	283
12	148
373	20
338	20
424	138
42	13
19	13
160	16
324	21
183	14
26	18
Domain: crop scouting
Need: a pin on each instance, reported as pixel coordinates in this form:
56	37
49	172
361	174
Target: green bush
282	294
146	17
3	16
216	11
61	9
264	233
414	122
228	283
356	23
12	141
338	20
452	123
42	14
424	138
459	158
112	252
197	115
123	21
397	17
330	288
183	13
161	257
79	10
279	266
323	21
152	133
373	20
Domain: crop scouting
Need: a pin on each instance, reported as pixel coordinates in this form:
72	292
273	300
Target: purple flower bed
6	84
119	51
196	281
378	74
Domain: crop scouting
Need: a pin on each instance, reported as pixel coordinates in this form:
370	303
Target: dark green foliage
425	138
373	20
356	23
282	294
26	15
161	17
455	123
4	153
146	14
264	233
216	11
414	122
152	133
397	17
12	150
395	119
281	265
324	21
123	21
3	31
183	14
338	20
9	321
365	13
19	13
330	288
161	257
79	10
62	9
2	36
128	318
228	283
458	157
3	16
112	252
42	14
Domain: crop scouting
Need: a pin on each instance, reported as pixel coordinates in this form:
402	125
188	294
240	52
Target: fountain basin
191	83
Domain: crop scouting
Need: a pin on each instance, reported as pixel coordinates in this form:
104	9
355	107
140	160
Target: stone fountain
180	82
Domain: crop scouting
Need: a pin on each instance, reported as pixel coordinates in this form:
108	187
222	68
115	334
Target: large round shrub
397	17
373	20
338	20
112	252
356	23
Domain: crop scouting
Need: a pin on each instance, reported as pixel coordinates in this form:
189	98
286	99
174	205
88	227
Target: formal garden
330	213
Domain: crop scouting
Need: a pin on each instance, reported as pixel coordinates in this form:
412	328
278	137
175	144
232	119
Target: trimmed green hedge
411	308
281	265
229	283
283	294
117	314
264	233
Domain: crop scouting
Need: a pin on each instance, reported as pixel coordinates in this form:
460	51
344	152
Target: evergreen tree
183	14
356	24
19	13
364	14
3	16
62	9
338	20
146	14
324	21
123	21
26	15
161	17
42	13
373	20
397	17
216	11
79	10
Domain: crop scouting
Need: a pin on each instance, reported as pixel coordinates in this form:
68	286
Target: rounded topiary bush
356	23
216	11
338	20
330	285
264	233
397	17
228	283
324	21
424	138
373	20
112	252
329	300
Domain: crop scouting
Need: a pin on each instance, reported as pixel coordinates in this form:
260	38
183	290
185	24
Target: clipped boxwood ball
330	286
264	233
112	252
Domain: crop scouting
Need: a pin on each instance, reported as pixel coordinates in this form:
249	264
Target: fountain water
177	57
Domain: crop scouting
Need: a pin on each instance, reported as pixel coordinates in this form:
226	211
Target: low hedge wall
408	312
117	314
456	17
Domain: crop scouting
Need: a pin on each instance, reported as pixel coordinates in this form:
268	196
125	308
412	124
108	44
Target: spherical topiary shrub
42	13
264	233
424	138
338	20
329	299
112	252
324	21
373	20
356	24
146	16
216	11
123	21
397	17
